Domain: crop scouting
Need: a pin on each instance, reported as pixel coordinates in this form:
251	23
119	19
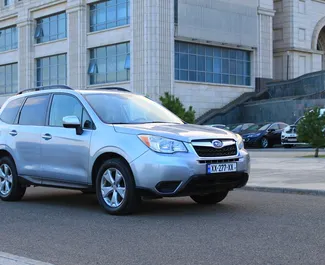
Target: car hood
181	132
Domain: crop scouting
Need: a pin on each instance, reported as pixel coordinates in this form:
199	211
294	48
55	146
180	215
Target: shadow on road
76	201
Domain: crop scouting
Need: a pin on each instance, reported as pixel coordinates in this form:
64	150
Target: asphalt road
67	227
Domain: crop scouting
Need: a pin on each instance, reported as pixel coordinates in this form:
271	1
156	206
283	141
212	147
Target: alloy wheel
6	179
113	187
265	142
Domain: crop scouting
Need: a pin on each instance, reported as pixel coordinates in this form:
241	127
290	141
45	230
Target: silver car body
57	156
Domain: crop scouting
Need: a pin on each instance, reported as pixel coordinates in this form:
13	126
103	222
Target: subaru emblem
217	144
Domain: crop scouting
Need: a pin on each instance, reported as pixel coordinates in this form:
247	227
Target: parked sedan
239	127
264	135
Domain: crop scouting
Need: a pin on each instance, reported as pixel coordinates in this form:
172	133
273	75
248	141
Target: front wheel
212	198
265	142
10	188
115	188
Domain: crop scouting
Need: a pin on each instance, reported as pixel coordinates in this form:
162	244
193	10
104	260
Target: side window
34	111
275	126
10	112
64	105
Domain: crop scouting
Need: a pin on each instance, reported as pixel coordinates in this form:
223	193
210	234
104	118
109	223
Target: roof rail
114	88
44	88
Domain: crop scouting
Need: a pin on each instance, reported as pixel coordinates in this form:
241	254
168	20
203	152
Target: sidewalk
283	171
8	259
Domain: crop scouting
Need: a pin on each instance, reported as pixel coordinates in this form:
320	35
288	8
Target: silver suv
119	145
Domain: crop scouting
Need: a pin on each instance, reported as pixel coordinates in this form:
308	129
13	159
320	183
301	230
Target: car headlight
240	142
162	145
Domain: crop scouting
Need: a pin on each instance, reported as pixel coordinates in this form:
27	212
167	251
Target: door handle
13	133
47	136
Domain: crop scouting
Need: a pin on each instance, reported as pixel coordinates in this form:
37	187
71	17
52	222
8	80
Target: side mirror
72	122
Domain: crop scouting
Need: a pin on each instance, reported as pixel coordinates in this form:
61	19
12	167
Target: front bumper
251	141
184	174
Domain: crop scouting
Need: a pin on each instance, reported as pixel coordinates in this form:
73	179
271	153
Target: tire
116	178
264	143
212	198
10	188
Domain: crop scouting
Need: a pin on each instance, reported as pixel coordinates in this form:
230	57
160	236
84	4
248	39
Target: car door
65	155
25	135
273	132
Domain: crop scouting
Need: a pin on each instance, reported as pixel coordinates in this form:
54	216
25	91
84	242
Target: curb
285	190
9	259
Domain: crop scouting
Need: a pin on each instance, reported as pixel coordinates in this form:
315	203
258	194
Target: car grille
204	151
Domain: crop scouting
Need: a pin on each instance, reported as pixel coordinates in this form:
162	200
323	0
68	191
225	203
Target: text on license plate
221	168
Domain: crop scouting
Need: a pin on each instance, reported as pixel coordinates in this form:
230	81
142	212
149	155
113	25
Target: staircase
213	112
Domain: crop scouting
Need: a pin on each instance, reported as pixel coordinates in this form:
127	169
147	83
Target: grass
312	156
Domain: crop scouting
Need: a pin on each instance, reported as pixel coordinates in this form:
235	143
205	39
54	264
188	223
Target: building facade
299	37
207	53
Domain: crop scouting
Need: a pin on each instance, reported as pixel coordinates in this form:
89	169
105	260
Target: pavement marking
285	190
9	259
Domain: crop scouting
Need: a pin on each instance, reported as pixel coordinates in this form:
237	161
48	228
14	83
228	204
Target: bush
311	129
175	105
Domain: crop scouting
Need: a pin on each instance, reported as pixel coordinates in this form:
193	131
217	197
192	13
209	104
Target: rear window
10	112
34	111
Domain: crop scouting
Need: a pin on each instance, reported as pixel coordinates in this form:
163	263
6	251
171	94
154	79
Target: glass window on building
109	14
51	70
8	39
109	64
208	64
51	28
9	78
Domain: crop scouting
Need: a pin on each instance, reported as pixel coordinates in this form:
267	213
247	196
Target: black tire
131	199
17	191
264	143
212	198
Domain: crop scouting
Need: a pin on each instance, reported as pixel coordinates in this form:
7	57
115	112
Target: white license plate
292	140
222	168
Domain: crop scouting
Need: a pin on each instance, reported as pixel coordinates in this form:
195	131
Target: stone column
26	73
77	53
265	47
152	46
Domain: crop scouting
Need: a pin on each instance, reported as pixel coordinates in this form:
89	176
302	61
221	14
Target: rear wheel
212	198
10	188
115	188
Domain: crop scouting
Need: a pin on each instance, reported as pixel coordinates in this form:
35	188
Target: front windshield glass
258	127
129	109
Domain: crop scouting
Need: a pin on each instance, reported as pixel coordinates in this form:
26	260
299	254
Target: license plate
292	140
222	168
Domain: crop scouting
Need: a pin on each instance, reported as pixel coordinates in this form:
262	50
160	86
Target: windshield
129	109
258	127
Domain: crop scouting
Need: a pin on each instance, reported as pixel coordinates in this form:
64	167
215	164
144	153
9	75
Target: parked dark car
239	127
264	135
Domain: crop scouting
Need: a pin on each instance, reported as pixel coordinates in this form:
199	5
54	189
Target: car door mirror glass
72	122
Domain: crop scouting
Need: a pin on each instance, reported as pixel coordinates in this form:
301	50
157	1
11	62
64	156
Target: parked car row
264	135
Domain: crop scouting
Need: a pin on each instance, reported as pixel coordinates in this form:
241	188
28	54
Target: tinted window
9	114
274	126
34	111
64	105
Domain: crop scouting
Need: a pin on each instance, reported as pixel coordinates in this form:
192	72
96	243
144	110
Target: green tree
311	129
175	105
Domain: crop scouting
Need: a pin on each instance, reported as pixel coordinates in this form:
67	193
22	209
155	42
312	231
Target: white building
299	37
205	52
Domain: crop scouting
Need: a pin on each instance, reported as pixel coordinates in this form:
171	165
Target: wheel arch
4	152
101	159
